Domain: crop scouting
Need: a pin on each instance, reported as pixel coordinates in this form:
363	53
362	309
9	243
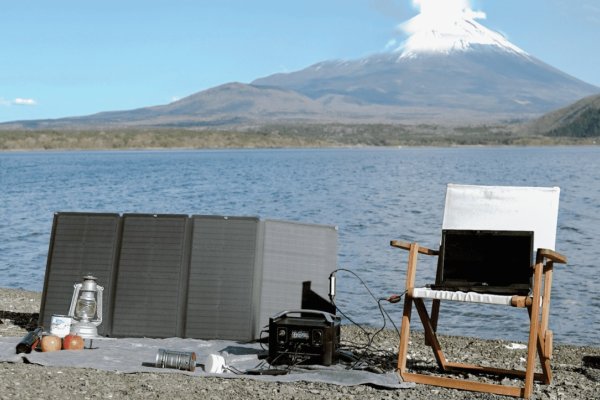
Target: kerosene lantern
86	308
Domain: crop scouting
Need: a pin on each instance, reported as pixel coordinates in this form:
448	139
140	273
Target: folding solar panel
294	253
220	302
150	287
81	244
206	277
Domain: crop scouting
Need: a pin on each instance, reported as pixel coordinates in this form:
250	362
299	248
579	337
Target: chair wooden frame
540	337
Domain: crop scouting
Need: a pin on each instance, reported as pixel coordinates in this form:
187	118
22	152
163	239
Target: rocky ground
576	373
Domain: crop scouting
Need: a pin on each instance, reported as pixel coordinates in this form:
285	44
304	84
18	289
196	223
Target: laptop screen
486	261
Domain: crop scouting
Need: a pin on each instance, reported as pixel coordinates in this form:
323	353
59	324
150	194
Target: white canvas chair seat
467	297
489	208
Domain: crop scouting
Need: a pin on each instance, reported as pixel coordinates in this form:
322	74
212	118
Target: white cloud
445	25
441	15
4	102
24	102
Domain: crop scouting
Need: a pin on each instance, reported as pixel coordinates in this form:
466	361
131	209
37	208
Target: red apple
50	343
72	342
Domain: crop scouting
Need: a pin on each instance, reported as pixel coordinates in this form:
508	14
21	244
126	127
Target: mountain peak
452	28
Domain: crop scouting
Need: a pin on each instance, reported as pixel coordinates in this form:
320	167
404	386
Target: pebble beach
575	377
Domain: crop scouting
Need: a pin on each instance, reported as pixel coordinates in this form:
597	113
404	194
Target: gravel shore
573	379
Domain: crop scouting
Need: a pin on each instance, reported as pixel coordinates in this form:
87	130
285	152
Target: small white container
215	364
60	325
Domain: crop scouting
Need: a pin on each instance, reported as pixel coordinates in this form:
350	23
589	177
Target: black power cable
384	314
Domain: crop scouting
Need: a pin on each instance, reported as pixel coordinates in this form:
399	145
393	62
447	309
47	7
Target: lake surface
372	195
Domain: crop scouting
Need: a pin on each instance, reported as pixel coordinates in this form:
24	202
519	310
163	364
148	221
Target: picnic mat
132	355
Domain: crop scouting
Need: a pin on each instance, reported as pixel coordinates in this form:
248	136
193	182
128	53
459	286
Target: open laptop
497	262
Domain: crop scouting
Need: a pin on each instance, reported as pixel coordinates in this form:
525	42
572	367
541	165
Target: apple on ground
50	343
72	342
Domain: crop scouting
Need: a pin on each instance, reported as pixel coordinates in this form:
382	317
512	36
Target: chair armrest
552	255
406	246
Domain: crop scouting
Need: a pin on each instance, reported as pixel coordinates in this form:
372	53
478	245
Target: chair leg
435	314
405	329
534	330
404	335
546	334
544	348
545	355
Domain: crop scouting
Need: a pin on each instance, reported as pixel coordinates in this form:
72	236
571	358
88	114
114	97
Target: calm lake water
372	195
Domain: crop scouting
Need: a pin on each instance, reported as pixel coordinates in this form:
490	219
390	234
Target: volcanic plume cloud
447	25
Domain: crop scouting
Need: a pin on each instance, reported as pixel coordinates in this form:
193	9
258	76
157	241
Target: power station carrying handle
325	314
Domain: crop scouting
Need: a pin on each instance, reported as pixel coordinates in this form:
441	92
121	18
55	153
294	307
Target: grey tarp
129	354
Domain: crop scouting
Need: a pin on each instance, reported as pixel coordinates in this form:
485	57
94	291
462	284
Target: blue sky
63	58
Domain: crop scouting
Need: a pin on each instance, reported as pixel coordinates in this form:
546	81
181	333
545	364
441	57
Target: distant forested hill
580	120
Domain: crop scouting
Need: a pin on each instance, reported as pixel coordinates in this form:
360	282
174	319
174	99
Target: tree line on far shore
284	136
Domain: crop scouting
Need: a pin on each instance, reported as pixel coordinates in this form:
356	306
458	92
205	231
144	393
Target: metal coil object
183	360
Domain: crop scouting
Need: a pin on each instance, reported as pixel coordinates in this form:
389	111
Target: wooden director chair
493	215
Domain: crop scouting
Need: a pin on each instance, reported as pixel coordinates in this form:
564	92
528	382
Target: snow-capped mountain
450	70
